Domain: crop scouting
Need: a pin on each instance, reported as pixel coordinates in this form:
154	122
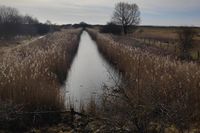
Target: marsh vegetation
31	74
158	90
118	77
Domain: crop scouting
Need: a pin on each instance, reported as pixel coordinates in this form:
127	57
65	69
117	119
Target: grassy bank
31	74
158	89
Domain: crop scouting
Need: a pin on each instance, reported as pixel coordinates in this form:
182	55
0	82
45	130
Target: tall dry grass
158	89
31	74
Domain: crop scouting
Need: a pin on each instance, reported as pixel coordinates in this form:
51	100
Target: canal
89	74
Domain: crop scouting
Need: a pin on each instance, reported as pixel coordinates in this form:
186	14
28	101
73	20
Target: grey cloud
96	11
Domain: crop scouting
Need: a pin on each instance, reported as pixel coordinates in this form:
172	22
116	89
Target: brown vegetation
168	38
30	74
157	90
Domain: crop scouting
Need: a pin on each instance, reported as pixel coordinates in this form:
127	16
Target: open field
158	89
162	33
166	38
31	74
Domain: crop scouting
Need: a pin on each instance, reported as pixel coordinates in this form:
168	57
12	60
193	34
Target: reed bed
158	89
31	74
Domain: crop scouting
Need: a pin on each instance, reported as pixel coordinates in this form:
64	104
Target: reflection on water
88	74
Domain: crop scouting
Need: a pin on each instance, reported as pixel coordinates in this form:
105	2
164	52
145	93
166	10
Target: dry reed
158	88
30	73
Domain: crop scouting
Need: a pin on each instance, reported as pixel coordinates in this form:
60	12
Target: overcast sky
153	12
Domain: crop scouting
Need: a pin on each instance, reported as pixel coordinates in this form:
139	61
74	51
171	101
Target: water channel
89	74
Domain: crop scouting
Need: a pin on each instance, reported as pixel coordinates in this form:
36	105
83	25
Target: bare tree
48	22
12	23
126	15
9	15
29	20
186	37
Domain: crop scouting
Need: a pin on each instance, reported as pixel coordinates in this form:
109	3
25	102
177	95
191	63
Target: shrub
186	39
111	28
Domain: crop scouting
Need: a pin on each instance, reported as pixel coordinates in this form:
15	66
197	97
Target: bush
111	28
42	28
186	39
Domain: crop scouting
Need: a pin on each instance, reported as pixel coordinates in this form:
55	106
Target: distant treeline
117	29
12	24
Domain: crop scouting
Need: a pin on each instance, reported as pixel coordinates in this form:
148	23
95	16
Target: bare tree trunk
125	29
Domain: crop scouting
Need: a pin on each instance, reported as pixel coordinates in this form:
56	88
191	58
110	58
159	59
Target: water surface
89	74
